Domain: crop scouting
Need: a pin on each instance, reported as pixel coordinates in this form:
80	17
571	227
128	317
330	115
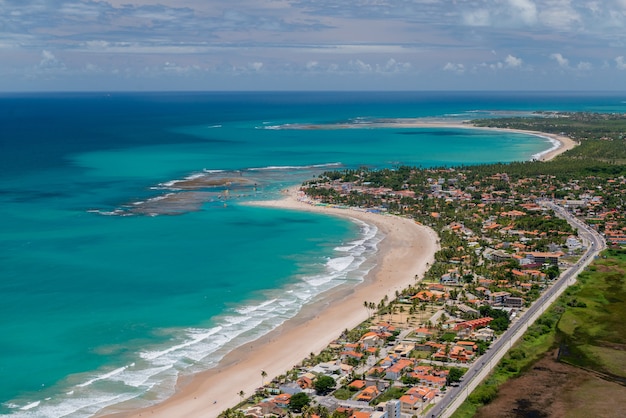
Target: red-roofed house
368	394
351	354
430	380
282	400
423	333
357	384
394	371
474	323
415	399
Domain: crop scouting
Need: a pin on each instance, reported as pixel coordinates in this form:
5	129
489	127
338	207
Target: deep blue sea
114	279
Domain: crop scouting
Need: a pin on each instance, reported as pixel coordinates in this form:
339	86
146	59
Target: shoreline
560	143
208	393
404	253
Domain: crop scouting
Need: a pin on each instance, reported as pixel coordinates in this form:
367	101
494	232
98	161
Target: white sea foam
555	145
116	212
102	377
151	355
173	183
340	263
30	405
292	167
249	309
142	378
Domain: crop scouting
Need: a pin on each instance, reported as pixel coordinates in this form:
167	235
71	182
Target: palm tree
242	395
263	376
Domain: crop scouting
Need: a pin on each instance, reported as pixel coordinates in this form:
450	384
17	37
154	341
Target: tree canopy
299	401
324	385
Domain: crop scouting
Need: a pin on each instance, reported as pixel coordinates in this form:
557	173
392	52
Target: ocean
126	256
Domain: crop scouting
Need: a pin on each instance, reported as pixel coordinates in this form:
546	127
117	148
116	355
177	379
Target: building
498	298
514	302
474	323
393	409
544	258
483	334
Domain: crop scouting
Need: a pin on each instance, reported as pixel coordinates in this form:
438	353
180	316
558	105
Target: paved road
455	396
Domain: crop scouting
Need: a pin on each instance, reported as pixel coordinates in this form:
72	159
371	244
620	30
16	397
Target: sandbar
404	254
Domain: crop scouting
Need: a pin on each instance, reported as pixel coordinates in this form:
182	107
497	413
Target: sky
141	45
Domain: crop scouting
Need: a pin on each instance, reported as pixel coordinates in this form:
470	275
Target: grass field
592	330
585	329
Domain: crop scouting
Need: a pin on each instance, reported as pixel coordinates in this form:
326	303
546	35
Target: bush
484	394
299	401
324	385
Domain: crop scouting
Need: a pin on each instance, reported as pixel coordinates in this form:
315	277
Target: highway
455	396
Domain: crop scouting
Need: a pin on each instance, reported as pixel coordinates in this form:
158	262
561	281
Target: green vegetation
454	375
536	341
586	323
324	385
592	331
343	394
500	321
299	401
601	135
391	393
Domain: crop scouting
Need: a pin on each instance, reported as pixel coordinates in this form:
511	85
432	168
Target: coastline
405	252
560	143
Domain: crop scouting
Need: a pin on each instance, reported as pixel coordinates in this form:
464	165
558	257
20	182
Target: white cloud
50	63
393	66
361	66
525	10
172	67
320	37
92	68
513	62
455	68
477	18
509	62
562	61
256	66
559	14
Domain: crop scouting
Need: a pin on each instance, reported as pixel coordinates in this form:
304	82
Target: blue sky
312	44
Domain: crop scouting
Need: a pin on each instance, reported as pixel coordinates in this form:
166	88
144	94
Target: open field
592	331
554	389
572	361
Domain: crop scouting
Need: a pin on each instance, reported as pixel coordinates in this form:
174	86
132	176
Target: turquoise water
104	294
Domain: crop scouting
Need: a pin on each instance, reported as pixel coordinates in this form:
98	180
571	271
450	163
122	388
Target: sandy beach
406	251
560	143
